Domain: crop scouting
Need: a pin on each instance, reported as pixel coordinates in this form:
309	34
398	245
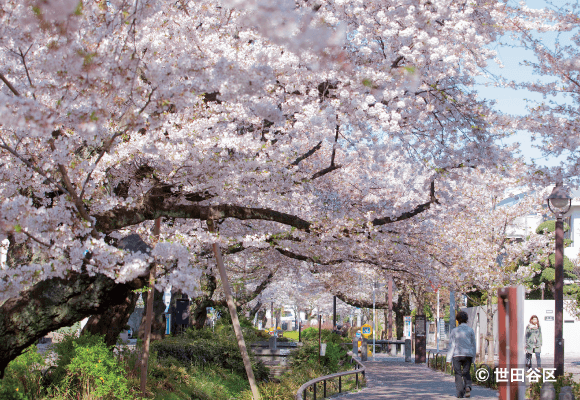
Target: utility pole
437	325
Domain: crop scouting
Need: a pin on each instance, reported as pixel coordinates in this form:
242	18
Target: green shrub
533	392
65	352
22	377
334	358
326	335
219	351
95	371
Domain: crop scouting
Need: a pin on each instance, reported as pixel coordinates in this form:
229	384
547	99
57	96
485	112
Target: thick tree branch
307	154
55	303
7	83
121	217
417	210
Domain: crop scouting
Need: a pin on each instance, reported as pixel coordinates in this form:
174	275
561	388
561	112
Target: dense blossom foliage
340	134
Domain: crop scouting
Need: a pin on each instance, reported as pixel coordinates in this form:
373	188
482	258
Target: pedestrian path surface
393	378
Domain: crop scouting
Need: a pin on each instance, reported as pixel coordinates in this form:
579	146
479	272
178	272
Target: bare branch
105	149
31	166
7	83
307	154
417	210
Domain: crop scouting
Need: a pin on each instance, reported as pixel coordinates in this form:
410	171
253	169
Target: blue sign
358	335
366	330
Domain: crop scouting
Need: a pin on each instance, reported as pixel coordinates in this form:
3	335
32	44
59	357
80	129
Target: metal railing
359	368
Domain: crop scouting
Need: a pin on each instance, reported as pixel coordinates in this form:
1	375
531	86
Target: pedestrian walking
461	352
533	342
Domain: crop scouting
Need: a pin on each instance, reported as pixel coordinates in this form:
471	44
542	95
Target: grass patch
293	335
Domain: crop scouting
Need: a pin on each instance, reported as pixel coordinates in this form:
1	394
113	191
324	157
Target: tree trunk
112	322
158	321
490	345
53	304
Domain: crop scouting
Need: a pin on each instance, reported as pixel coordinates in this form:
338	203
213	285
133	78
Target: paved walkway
392	378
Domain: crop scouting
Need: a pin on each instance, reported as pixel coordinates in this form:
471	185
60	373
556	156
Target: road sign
367	330
358	335
407	327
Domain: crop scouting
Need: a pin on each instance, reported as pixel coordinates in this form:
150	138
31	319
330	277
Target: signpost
407	327
367	330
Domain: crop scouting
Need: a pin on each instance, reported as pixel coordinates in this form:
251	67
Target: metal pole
374	317
390	301
319	332
334	313
272	324
451	310
559	297
437	327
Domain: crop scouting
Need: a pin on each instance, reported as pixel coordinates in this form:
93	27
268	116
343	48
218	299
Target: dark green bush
218	351
65	352
22	378
333	359
566	380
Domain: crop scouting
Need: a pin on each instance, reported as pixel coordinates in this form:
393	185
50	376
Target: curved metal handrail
358	369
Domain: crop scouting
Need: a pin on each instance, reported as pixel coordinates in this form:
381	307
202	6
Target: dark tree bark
53	304
401	308
200	304
112	322
158	321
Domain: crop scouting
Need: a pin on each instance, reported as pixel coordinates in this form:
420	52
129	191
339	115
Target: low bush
94	372
23	377
218	351
326	336
534	388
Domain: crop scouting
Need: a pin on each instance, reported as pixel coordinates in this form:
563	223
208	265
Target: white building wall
545	311
574	213
541	308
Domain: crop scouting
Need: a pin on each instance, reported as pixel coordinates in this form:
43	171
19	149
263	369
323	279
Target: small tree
545	267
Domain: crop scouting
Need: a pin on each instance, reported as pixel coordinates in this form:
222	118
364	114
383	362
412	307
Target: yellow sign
366	330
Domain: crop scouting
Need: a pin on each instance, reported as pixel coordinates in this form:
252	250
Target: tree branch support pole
234	315
149	316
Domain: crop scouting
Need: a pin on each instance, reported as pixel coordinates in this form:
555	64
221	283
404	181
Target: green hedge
217	351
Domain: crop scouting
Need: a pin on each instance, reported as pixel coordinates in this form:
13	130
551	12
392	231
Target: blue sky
512	101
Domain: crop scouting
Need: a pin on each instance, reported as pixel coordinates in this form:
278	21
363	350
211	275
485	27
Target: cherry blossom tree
319	132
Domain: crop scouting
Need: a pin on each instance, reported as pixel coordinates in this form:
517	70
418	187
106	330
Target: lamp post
559	203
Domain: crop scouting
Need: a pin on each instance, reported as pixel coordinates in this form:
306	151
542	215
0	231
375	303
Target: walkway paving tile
392	378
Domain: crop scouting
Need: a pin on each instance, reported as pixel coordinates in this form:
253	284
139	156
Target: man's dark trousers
461	366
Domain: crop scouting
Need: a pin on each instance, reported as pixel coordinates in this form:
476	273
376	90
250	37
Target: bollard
566	393
407	350
547	392
354	346
272	343
364	350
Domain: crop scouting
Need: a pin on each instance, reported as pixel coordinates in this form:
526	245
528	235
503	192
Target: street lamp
559	203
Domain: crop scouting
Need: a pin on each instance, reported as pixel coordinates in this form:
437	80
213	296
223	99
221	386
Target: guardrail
358	369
